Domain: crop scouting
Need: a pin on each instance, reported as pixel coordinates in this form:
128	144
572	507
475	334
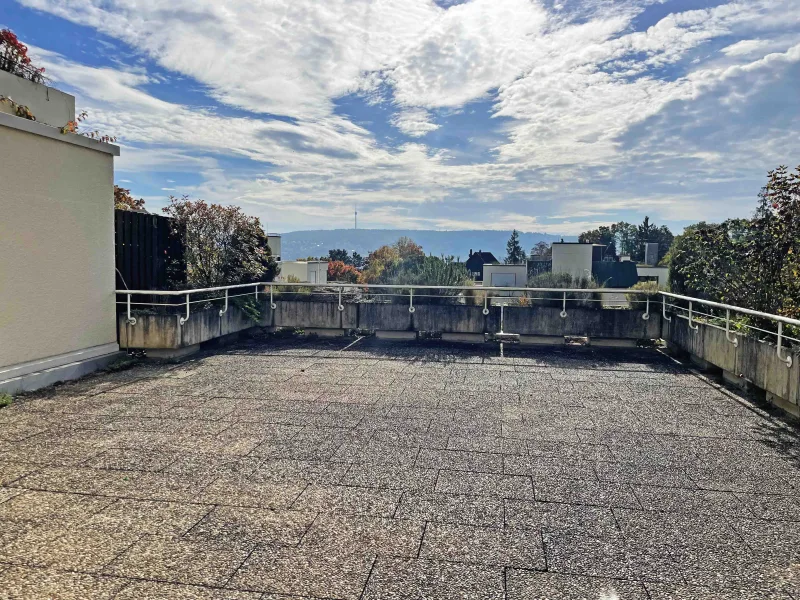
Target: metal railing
406	291
491	295
710	319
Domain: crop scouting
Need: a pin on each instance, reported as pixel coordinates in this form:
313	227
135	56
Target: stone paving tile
178	560
303	571
451	508
484	545
77	549
531	585
550	489
147	516
234	525
151	590
390	477
243	491
23	583
485	484
397	579
553	516
340	535
343	499
701	502
398	471
660	591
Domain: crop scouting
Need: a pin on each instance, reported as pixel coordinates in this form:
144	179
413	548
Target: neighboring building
274	241
576	258
659	274
476	261
57	301
307	271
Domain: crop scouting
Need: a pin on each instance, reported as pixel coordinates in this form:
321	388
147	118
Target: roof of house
484	257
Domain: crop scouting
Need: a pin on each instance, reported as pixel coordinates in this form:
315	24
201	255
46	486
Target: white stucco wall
47	104
661	272
56	243
305	271
575	259
274	245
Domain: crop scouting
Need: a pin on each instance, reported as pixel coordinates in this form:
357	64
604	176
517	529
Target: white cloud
744	47
415	122
586	101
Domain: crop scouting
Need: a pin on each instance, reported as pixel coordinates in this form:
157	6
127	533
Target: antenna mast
355	217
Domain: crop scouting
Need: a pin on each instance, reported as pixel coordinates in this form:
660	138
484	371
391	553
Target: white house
57	300
306	271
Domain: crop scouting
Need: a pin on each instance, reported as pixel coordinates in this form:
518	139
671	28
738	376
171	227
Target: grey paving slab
531	585
304	571
498	546
179	560
23	583
297	469
397	579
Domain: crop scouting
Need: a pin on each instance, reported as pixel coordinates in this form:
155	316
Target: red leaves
14	58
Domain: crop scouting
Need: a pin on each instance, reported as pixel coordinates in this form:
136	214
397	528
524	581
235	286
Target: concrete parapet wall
165	331
546	320
753	360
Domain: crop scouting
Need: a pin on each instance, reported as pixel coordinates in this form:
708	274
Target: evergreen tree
514	253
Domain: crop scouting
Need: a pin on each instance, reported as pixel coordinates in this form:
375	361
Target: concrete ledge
51	362
383	334
612	343
467	338
783	404
74	370
173	353
323	332
542	340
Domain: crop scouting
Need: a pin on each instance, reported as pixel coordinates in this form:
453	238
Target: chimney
470	252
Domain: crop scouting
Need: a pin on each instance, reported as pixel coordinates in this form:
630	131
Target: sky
551	116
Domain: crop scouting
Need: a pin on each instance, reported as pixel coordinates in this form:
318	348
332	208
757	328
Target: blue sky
544	115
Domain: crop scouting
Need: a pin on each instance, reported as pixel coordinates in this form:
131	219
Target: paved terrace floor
311	470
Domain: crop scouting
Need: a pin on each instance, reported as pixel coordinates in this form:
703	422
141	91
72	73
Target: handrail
362	286
781	321
745	311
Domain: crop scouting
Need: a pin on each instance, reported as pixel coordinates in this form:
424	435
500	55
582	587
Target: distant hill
317	242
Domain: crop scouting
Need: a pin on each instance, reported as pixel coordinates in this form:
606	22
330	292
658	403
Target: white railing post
664	309
693	327
183	320
130	320
646	315
224	310
485	304
256	293
564	307
272	304
411	308
341	306
735	340
788	358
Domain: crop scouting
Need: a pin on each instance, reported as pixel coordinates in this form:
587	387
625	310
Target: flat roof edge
28	126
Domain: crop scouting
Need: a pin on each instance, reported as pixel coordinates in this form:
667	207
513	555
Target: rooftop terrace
336	470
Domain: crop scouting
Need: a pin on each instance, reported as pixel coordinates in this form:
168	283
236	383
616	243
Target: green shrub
565	281
5	400
639	301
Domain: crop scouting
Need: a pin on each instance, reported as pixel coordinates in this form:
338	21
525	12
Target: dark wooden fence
148	255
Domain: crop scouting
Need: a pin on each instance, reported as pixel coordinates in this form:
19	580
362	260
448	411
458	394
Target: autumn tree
541	251
340	271
222	245
754	263
124	201
514	253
